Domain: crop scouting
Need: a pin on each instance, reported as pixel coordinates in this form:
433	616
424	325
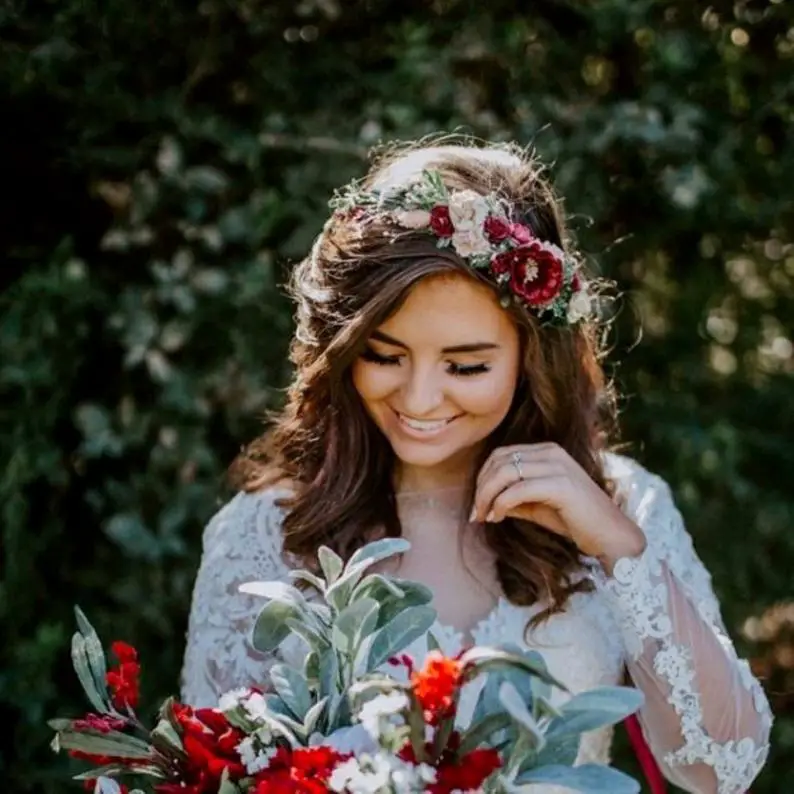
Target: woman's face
438	376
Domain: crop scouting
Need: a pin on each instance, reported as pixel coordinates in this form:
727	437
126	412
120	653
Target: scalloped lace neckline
501	620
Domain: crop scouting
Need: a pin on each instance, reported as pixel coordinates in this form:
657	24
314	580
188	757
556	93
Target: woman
448	388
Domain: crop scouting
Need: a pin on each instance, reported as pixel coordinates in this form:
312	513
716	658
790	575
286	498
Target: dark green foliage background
164	162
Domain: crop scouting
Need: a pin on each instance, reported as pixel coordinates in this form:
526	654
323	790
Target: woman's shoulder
249	516
633	482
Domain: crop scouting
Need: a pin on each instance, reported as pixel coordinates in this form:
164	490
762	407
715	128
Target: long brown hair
324	444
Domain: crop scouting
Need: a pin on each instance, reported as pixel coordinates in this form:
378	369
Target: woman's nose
422	394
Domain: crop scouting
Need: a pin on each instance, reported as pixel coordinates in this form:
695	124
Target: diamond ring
517	463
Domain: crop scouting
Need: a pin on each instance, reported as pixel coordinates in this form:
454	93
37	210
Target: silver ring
516	459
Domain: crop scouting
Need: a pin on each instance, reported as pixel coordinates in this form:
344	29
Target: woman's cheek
488	395
374	382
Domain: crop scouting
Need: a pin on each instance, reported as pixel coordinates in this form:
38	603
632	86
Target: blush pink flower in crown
537	274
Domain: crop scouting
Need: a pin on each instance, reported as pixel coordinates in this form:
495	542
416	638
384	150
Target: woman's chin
426	455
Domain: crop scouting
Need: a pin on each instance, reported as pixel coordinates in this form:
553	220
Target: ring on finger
516	460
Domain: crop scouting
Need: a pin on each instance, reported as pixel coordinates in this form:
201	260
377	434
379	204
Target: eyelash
458	370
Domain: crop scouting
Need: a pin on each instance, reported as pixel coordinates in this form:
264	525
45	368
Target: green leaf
558	751
313	716
399	633
95	654
113	744
315	640
291	687
596	708
588	779
482	659
275	591
432	643
165	737
331	564
354	623
377	582
478	733
339	592
84	674
514	705
271	628
376	551
307	576
226	786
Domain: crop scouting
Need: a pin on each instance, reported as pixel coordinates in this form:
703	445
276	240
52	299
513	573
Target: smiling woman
438	378
449	389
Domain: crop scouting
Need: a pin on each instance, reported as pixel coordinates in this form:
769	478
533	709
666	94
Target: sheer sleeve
241	543
705	717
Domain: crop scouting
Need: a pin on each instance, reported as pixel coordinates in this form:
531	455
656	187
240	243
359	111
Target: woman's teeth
422	425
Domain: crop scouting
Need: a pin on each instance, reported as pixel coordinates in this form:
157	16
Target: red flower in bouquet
124	680
102	723
466	773
536	273
301	771
435	686
210	743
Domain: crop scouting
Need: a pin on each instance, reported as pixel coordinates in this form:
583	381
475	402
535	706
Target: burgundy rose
440	222
496	228
536	275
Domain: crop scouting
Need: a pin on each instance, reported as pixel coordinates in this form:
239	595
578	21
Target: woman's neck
451	474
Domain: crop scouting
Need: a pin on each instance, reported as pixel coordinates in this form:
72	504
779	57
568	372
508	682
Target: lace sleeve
705	716
242	543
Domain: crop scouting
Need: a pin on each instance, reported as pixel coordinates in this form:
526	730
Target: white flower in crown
579	307
412	219
470	242
468	210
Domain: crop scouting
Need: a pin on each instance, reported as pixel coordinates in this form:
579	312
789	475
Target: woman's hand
542	483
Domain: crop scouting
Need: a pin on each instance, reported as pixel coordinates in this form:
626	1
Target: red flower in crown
440	222
497	229
124	680
536	274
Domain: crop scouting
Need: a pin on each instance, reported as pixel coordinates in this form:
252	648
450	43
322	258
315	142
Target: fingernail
473	514
490	516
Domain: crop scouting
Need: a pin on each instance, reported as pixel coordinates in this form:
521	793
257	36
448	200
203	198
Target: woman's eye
472	369
376	358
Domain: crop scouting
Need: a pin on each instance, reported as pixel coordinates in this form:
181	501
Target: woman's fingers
505	474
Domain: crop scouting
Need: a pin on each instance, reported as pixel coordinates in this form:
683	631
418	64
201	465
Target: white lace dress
705	715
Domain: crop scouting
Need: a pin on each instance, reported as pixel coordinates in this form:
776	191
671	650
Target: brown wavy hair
324	444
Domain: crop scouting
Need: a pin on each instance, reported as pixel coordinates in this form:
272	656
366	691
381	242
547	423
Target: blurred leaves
165	164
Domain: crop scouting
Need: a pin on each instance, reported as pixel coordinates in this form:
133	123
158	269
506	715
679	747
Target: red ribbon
647	762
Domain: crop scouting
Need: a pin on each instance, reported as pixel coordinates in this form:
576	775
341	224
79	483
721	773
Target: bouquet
359	718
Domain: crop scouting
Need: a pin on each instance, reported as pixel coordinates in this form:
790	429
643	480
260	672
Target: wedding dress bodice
705	715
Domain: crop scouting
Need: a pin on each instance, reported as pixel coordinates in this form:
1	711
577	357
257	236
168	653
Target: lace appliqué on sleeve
242	543
706	717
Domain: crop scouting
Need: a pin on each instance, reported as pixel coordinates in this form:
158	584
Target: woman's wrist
628	542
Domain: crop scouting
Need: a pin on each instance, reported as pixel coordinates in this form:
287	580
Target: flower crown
537	274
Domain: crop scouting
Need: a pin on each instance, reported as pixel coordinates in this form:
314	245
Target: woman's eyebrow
471	347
